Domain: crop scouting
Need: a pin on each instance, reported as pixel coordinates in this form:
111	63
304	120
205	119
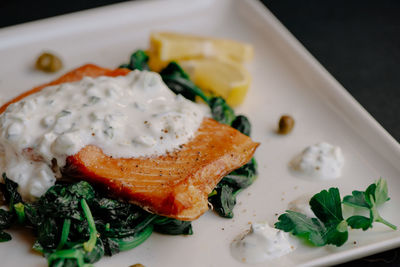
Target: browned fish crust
174	185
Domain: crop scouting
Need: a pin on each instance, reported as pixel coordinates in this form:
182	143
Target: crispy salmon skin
175	185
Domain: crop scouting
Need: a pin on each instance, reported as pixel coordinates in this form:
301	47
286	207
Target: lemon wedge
219	77
167	46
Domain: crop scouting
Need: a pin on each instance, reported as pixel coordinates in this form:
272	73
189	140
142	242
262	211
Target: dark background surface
358	42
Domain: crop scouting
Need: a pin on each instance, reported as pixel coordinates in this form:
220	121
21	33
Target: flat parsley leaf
376	194
310	229
329	226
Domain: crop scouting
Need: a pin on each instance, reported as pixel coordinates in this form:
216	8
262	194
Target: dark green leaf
224	201
179	82
359	222
327	206
370	191
357	200
171	226
337	234
130	242
6	218
11	194
173	69
81	190
221	111
137	61
242	177
309	229
4	237
111	247
242	124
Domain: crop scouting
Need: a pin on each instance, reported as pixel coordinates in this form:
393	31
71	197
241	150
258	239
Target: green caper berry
286	124
48	62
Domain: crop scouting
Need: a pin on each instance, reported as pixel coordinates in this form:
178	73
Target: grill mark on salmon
176	184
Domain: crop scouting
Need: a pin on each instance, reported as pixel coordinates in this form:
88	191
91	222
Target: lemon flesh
219	77
167	46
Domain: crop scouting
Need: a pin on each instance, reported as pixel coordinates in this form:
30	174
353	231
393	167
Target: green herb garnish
137	61
329	226
376	194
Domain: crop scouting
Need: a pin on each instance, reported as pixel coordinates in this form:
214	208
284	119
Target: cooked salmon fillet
176	184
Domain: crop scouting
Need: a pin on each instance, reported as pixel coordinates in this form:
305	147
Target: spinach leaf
138	61
242	177
359	222
11	194
221	111
4	237
171	226
242	124
179	82
6	219
130	242
223	200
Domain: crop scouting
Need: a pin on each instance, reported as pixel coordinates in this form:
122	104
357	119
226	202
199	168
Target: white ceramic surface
286	79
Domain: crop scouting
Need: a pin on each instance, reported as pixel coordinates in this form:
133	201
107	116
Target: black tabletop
358	42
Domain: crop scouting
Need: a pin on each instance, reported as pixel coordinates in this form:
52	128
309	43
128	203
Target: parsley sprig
329	226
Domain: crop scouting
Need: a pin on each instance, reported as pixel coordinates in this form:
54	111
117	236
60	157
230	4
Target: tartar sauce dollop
321	160
127	116
261	243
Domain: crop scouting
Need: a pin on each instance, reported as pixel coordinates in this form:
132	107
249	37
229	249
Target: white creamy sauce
321	160
127	116
262	243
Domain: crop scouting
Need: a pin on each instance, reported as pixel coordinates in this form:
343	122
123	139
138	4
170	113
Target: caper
286	124
48	62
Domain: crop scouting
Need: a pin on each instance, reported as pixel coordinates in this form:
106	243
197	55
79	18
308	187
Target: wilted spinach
179	82
138	61
77	225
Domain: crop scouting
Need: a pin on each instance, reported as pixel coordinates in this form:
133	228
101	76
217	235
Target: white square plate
286	79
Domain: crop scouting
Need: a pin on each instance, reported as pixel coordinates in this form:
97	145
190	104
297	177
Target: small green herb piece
19	210
376	194
329	226
138	61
